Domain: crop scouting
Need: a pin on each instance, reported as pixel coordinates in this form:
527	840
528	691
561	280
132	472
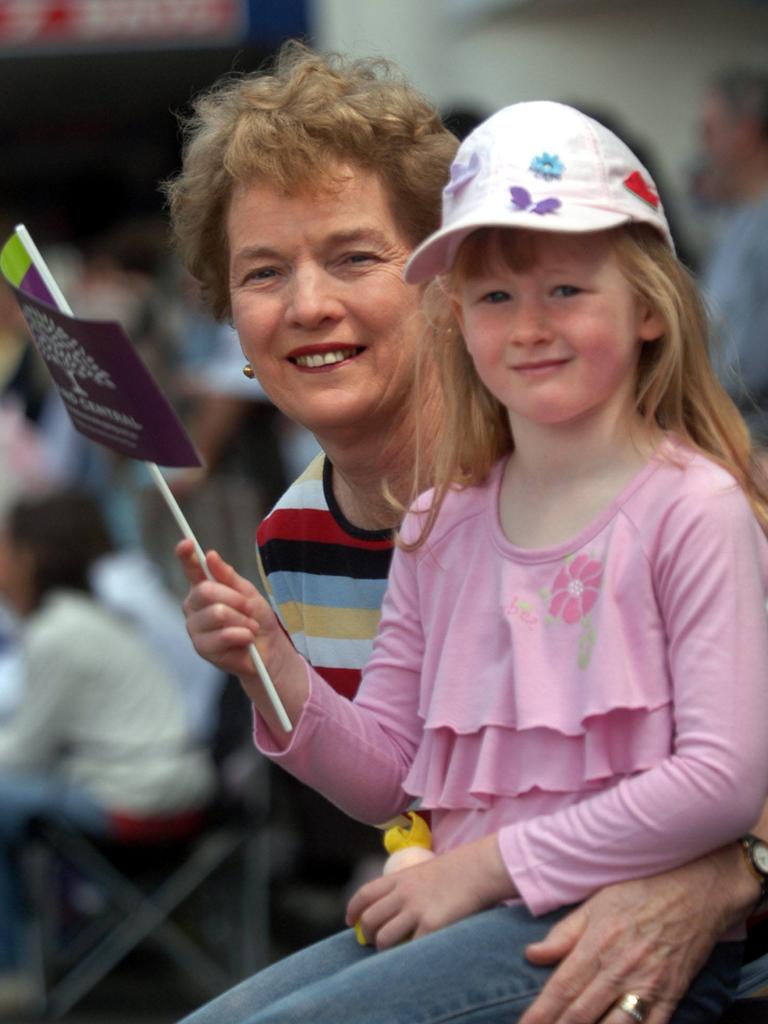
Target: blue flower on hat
547	166
462	174
523	200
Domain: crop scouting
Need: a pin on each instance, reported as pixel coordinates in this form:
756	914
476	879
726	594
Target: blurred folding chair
144	875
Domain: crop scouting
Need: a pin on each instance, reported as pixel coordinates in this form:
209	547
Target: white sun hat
542	166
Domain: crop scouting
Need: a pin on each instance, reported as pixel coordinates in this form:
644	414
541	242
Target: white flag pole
159	479
185	528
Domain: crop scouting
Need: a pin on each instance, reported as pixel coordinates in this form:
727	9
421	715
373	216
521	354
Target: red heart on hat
638	186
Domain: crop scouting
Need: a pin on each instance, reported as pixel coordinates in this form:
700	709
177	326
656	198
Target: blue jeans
23	797
472	971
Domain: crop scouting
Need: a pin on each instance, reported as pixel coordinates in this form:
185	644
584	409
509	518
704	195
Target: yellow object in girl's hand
406	845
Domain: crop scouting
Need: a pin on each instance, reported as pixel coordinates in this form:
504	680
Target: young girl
570	670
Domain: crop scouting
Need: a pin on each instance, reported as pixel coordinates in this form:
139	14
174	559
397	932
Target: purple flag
109	393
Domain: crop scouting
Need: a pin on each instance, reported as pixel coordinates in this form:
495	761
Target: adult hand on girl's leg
421	899
648	936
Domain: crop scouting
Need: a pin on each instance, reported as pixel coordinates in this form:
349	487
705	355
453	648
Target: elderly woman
302	193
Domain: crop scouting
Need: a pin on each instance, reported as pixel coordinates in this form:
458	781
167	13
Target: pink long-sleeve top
601	704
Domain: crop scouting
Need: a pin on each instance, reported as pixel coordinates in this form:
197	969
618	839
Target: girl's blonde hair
676	390
292	126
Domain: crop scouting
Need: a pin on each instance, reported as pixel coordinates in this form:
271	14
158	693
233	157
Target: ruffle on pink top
582	724
468	771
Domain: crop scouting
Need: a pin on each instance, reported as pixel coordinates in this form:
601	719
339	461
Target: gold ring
633	1006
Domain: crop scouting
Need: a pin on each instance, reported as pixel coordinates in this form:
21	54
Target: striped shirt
325	577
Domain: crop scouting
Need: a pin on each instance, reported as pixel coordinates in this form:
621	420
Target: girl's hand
421	899
225	616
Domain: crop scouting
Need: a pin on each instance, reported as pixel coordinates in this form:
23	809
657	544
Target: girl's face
557	339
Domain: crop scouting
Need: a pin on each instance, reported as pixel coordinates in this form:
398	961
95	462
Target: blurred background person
130	584
733	174
100	734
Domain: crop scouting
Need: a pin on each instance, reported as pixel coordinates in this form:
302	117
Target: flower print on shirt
575	589
574	594
521	610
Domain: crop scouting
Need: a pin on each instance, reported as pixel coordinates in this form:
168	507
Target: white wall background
645	63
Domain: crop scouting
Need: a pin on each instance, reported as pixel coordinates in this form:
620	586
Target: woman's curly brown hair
292	125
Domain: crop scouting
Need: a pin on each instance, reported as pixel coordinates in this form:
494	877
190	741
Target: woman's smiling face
319	303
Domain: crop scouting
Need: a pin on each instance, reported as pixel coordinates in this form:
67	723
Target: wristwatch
756	853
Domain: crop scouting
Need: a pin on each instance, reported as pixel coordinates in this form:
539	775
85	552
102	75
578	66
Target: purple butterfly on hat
523	200
461	175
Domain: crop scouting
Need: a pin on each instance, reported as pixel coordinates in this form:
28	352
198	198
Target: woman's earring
248	371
